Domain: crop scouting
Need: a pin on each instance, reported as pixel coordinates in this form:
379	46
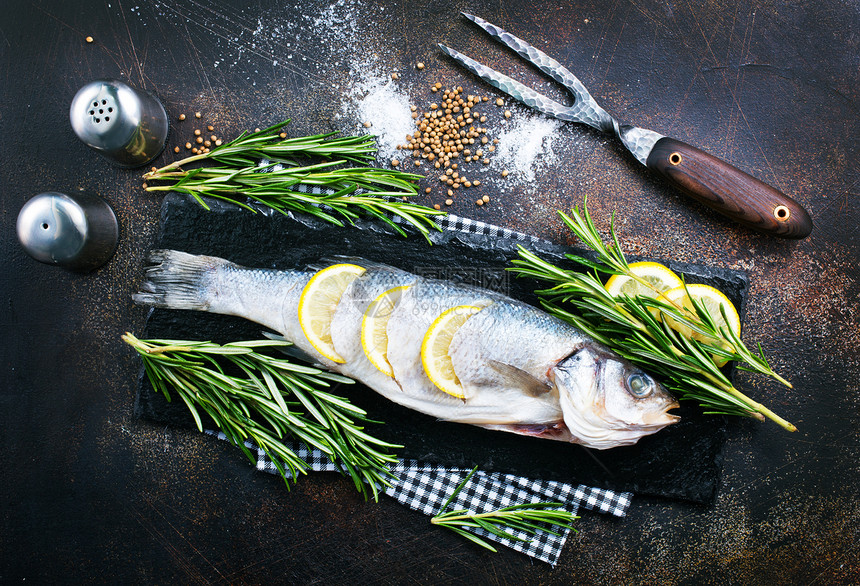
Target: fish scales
483	354
417	310
520	369
346	325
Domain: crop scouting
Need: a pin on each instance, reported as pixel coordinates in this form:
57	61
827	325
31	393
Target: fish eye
640	385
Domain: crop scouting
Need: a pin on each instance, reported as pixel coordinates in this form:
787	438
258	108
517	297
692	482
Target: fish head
606	401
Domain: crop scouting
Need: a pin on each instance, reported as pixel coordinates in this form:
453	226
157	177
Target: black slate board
683	461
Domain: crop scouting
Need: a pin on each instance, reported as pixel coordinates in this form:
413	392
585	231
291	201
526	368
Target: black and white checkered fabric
426	487
447	222
469	226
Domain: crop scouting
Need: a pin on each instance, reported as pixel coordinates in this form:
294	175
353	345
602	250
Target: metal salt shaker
126	125
78	232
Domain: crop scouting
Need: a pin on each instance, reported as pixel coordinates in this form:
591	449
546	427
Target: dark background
92	494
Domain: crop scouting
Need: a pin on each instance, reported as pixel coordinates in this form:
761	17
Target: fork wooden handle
729	190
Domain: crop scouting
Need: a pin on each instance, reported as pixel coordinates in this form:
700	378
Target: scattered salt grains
526	146
338	18
376	100
374	97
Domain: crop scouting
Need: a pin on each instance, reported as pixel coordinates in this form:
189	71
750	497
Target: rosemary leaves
322	175
629	327
254	396
516	522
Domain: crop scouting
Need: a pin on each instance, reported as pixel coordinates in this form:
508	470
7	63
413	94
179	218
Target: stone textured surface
683	461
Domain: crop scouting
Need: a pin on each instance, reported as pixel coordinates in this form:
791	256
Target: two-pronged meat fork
706	178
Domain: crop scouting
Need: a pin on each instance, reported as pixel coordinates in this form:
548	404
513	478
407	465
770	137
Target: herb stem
757	410
265	168
159	173
274	399
156	349
498	514
525	518
631	327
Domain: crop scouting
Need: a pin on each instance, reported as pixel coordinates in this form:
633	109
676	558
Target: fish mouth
663	418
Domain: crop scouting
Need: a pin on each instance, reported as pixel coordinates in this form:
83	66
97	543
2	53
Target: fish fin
519	378
177	280
553	431
357	260
336	259
274	336
318	266
299	354
294	351
370	265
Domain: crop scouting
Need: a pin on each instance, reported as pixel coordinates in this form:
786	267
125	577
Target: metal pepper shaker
78	232
126	125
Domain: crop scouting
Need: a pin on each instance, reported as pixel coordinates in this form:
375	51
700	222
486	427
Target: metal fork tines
584	109
702	176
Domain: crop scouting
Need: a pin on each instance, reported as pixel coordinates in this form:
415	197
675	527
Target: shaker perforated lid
126	125
77	232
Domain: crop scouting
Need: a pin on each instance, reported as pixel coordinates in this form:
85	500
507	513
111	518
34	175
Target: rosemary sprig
264	168
626	325
516	522
274	399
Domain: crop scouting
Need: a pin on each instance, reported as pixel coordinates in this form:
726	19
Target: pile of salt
527	146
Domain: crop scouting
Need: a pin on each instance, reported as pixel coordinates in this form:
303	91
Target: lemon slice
318	303
374	328
659	277
712	299
434	349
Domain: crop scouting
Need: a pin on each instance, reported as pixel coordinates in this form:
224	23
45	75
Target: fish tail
178	280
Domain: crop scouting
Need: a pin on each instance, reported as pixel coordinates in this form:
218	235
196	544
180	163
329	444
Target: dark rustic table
92	494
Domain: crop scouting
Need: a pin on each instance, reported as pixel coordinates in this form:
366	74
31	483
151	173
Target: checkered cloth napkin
469	226
426	487
448	222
